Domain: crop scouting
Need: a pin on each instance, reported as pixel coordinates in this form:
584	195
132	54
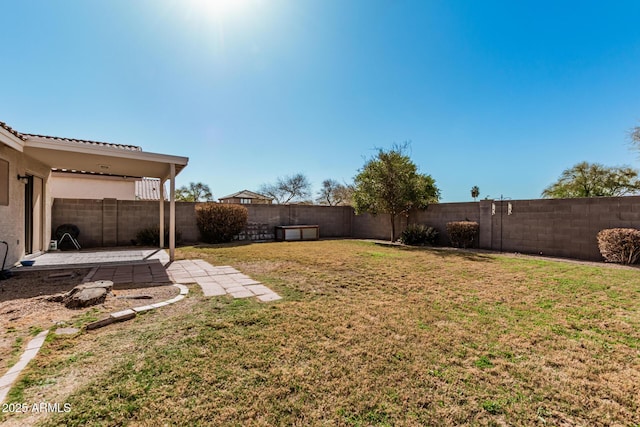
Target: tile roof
12	131
27	136
148	189
246	194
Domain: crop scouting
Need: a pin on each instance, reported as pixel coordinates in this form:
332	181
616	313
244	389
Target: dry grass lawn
365	335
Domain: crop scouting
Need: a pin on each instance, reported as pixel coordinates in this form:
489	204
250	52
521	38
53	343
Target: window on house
4	183
245	201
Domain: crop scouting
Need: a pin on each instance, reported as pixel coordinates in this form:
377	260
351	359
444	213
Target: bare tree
195	192
634	134
334	194
293	188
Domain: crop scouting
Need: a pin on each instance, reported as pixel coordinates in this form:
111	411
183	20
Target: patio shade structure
111	159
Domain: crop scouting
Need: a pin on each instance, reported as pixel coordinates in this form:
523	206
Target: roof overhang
98	159
10	139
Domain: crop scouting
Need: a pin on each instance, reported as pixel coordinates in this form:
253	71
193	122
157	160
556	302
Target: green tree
594	180
333	193
390	183
194	192
475	192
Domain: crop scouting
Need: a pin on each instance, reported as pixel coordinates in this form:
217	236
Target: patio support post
161	228
172	212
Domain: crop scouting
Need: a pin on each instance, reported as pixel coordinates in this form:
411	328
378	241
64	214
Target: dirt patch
25	311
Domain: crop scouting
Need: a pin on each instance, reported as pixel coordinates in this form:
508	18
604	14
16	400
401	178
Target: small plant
492	407
619	245
150	236
219	223
462	233
35	330
483	362
419	234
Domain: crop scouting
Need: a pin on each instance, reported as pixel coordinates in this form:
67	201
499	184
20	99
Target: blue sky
499	94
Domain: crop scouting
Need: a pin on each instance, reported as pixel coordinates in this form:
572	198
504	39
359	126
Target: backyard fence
555	227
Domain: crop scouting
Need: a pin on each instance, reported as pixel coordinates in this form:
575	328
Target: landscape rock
84	295
86	298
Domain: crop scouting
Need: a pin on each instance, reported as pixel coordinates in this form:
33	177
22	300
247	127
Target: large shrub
621	245
150	236
462	233
419	234
219	223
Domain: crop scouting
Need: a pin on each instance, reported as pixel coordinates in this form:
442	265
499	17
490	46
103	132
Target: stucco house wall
85	186
12	224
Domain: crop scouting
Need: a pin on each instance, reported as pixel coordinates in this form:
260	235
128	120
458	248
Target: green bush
419	234
219	223
150	236
620	245
462	233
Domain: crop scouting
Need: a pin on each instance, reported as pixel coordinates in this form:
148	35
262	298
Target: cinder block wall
135	215
84	213
555	227
333	221
367	226
560	227
437	216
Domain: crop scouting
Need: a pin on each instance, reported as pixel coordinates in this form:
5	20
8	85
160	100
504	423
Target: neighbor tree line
390	183
597	180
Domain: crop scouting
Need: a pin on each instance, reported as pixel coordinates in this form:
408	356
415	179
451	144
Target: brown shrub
620	245
219	223
462	233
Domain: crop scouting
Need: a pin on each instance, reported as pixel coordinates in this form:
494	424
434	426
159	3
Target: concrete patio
127	265
97	257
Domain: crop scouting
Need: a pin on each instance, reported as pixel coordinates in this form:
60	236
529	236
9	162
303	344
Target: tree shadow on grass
471	254
223	245
25	285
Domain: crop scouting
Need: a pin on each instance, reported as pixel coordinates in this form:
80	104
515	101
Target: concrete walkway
7	380
222	280
153	266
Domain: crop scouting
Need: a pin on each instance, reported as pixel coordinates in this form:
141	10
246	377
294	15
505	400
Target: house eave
70	155
11	140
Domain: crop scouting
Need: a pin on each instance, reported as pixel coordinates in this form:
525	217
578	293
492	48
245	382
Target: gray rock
85	295
86	298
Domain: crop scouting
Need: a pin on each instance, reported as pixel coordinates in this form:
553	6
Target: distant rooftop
149	189
246	194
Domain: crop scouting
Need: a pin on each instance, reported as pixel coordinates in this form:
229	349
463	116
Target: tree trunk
393	227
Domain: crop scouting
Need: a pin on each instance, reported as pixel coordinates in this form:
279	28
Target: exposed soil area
25	311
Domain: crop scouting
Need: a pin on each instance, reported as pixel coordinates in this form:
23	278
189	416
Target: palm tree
475	192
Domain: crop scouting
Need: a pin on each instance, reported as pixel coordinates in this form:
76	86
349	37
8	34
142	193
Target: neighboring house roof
149	189
246	194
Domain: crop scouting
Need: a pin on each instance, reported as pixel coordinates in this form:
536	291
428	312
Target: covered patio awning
110	159
100	157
